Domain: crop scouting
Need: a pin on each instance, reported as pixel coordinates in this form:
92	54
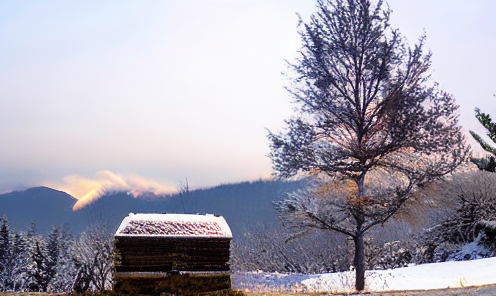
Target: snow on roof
174	225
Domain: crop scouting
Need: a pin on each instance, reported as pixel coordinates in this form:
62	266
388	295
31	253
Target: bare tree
94	258
368	119
183	191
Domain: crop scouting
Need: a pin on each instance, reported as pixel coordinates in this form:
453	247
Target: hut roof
174	225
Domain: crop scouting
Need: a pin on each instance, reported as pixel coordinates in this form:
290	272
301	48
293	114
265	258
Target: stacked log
164	254
165	250
158	284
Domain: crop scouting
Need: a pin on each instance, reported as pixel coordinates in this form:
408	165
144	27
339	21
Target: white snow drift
421	277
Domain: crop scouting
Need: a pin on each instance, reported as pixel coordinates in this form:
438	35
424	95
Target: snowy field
421	277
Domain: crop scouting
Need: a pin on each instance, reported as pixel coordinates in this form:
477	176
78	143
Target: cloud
87	190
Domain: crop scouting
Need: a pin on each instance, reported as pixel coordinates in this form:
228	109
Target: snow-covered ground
421	277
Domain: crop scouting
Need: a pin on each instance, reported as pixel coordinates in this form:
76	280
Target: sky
142	95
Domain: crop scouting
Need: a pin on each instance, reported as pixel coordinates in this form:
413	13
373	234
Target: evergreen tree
4	240
41	273
65	269
45	257
487	163
30	262
32	240
5	256
31	231
13	260
53	250
21	262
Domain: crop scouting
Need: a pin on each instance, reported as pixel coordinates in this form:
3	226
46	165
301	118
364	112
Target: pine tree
6	262
18	264
45	257
32	240
31	231
53	250
65	268
487	163
40	273
4	240
20	259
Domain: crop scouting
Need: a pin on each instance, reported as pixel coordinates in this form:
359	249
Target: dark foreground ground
489	290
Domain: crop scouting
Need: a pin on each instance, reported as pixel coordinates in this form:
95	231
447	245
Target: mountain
242	204
39	205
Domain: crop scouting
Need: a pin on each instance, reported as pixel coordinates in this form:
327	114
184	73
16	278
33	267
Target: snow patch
420	277
488	224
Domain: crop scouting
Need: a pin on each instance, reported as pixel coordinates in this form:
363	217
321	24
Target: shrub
472	197
271	250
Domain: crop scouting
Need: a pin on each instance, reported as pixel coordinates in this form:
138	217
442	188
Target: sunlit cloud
87	190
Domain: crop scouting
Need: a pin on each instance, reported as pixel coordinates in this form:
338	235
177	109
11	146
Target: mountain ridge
241	204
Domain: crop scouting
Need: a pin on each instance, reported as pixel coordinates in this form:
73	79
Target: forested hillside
241	204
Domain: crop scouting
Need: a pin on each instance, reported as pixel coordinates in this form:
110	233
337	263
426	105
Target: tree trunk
359	261
358	238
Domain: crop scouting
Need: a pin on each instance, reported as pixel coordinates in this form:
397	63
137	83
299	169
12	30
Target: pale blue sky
169	90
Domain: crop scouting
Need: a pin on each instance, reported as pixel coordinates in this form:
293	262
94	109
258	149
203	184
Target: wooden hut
190	247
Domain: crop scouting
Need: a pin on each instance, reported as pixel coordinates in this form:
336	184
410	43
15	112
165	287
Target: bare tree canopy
368	119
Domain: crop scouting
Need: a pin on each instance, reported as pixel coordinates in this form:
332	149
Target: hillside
241	204
42	205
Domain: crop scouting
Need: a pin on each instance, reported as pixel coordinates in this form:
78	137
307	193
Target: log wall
163	254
